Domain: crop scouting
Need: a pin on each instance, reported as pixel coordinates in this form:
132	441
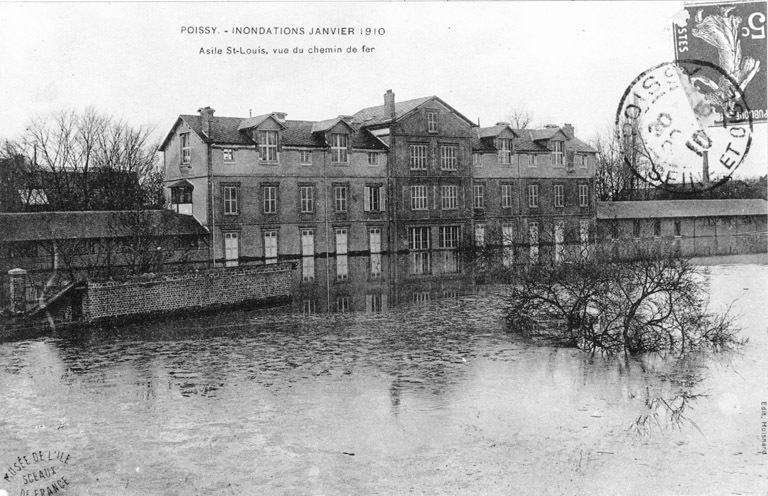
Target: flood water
434	398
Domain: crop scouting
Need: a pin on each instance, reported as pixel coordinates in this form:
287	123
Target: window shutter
367	199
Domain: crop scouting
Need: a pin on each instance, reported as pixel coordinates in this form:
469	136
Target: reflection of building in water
367	284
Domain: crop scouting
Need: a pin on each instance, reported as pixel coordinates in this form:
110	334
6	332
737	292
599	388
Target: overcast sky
563	61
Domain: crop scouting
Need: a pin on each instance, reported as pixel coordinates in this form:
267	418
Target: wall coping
149	279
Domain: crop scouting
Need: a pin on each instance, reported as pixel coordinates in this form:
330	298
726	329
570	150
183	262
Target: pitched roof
372	116
255	121
40	226
576	145
492	131
679	208
545	133
323	126
526	143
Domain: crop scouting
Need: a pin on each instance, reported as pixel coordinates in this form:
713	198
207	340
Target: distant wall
174	292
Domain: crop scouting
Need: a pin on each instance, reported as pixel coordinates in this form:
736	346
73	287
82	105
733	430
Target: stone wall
175	292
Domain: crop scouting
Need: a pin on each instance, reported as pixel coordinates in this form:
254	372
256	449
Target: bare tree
90	161
614	178
631	299
519	117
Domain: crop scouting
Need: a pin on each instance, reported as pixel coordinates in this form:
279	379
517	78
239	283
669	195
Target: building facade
399	188
696	227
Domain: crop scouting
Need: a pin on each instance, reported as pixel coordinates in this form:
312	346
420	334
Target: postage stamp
678	132
732	36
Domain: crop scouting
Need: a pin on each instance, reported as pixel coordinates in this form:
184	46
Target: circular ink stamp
39	473
681	131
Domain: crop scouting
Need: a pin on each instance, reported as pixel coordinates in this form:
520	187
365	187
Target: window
480	235
342	249
504	147
374	303
678	229
341	240
557	152
636	228
268	146
448	157
270	247
559	196
305	157
582	160
231	249
507	242
449	195
449	241
449	237
270	199
342	304
374	243
584	236
340	198
228	154
307	195
533	195
418	197
373	158
374	198
418	156
533	241
339	143
181	194
532	160
230	200
418	245
583	195
432	121
506	196
559	241
421	297
657	227
479	196
307	255
185	150
307	243
418	238
308	306
477	159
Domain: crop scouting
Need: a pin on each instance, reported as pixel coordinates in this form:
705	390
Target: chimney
569	131
502	123
280	116
389	104
206	113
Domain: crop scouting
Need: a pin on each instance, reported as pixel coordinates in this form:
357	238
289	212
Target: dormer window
267	146
185	150
339	147
557	152
504	146
432	121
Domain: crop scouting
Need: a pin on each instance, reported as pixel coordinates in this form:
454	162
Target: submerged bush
642	298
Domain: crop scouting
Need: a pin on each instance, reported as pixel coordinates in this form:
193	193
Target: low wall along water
174	292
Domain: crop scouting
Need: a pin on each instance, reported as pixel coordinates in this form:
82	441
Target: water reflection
421	381
376	282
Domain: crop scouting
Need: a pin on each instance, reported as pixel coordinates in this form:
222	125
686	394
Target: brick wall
168	293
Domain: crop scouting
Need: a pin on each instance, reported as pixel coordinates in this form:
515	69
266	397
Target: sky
561	61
